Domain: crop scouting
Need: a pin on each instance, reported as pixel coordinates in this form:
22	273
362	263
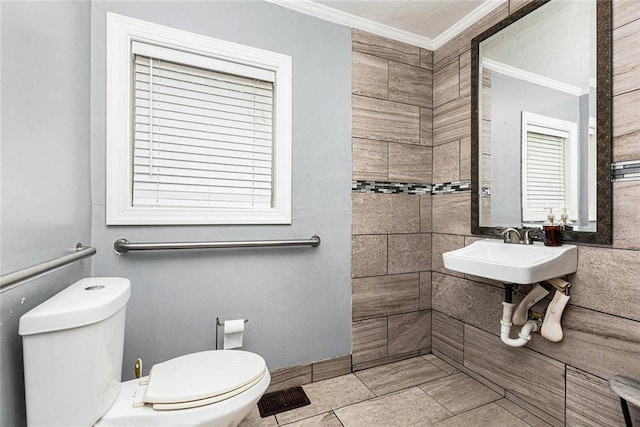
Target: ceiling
425	23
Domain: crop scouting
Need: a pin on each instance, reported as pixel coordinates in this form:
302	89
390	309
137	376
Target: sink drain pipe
507	314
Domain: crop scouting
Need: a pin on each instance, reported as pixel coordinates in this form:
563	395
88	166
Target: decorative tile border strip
452	187
410	188
390	187
625	171
620	171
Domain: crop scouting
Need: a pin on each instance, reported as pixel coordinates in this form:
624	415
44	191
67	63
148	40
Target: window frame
551	126
121	33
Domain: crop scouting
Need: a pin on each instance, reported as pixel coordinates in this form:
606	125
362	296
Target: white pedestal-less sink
513	263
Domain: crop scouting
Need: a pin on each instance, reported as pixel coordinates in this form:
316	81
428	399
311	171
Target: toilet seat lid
203	375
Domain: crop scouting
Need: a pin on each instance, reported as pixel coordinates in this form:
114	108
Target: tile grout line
487	404
506	409
394	102
337	417
365	384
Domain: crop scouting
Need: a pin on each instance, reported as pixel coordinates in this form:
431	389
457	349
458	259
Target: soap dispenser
565	221
552	231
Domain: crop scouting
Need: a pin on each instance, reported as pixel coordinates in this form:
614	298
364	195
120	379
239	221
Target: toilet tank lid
87	301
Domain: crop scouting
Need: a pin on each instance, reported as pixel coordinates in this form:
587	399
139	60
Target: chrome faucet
523	236
509	234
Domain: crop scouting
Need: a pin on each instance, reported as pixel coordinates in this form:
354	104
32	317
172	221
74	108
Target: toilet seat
224	413
203	378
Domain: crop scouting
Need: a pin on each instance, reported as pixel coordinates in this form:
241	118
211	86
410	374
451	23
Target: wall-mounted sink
513	263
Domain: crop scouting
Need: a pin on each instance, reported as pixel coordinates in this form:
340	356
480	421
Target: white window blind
202	138
198	129
549	166
543	174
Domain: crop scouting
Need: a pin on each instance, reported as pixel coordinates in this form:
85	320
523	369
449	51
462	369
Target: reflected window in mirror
549	167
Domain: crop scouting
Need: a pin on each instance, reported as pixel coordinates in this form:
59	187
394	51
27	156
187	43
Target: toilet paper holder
218	325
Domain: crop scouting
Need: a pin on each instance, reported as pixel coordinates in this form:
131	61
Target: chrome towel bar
12	280
122	246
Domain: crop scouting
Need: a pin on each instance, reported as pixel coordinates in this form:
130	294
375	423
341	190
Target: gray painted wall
45	179
509	98
298	300
53	87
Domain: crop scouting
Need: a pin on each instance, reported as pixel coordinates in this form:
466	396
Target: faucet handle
530	234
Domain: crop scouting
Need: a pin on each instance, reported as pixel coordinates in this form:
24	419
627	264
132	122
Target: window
549	166
198	129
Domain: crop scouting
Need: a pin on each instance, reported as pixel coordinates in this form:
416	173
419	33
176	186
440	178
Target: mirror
541	120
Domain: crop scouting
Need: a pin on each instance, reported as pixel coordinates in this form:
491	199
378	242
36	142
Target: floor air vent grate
281	401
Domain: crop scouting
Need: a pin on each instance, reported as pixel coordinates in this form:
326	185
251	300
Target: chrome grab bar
12	280
122	246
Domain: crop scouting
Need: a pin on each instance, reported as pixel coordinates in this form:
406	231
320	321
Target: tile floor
423	391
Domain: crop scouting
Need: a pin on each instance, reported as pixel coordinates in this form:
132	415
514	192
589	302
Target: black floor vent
281	401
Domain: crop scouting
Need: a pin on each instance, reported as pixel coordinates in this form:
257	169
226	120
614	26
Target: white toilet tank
73	345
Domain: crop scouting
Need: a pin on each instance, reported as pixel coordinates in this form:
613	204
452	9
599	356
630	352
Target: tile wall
562	382
392	150
411	203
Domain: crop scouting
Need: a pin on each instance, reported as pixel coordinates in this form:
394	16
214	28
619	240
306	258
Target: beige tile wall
411	123
564	382
392	138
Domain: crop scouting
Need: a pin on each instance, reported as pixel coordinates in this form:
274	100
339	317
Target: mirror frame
603	233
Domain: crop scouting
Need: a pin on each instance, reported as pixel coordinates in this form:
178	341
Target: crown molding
457	28
528	76
336	16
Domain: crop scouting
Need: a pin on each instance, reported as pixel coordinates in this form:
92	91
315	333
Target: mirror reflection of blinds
202	138
545	173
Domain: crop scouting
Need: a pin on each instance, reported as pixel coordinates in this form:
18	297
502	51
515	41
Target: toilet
73	346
